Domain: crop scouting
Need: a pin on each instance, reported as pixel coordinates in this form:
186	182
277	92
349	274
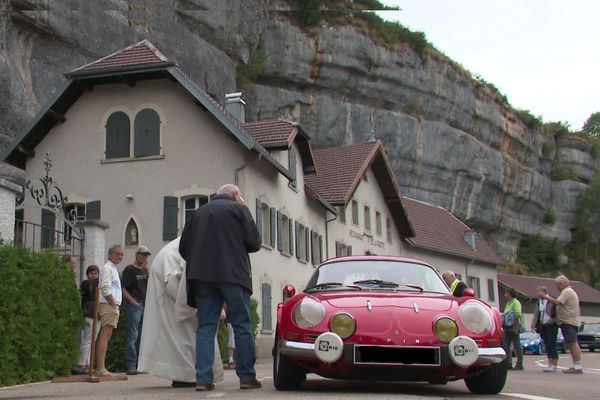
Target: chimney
236	106
470	239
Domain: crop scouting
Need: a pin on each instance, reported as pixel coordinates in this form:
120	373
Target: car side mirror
288	292
468	292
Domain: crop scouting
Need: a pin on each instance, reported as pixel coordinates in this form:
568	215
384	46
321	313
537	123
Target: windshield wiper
326	285
414	286
379	282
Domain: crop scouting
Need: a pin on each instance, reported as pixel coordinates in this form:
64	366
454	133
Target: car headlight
343	324
475	318
445	329
308	313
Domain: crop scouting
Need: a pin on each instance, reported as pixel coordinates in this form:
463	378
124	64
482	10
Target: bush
539	254
550	218
40	316
222	336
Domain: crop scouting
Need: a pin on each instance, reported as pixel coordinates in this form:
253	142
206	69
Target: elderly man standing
108	305
215	244
567	318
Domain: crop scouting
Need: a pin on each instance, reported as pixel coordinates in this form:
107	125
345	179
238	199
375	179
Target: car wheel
490	381
286	374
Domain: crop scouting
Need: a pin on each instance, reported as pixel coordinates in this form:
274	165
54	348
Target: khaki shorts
108	315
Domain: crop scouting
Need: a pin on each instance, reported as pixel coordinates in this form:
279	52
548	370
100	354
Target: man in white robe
168	343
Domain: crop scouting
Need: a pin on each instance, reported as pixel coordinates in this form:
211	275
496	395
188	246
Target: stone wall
451	140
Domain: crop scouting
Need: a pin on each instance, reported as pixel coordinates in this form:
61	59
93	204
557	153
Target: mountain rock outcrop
451	140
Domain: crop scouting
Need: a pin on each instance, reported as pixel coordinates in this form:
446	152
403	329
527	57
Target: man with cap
135	281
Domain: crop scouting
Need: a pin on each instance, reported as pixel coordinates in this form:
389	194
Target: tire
491	381
286	374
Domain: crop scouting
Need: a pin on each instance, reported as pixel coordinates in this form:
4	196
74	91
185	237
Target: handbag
508	319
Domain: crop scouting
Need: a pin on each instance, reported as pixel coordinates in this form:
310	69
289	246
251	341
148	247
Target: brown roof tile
137	54
438	230
272	133
526	285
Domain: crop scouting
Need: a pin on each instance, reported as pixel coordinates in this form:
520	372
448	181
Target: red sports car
386	319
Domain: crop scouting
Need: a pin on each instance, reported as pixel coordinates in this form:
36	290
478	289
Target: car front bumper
293	349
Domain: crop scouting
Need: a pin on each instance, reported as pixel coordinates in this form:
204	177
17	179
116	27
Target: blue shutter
259	219
266	307
147	133
170	211
273	227
117	135
92	210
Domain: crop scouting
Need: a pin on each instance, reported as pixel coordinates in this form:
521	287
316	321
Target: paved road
520	385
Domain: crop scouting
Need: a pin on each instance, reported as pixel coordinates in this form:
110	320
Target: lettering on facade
367	238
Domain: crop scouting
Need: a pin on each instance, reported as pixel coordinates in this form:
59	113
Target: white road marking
216	395
528	396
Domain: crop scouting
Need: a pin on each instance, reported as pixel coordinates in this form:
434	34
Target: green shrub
548	149
539	254
222	336
563	174
550	218
40	316
529	119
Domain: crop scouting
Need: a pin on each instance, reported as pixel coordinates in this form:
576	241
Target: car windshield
529	335
591	328
378	275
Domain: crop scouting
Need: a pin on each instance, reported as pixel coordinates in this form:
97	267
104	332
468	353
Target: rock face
451	140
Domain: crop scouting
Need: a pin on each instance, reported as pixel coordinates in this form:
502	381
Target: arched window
147	133
132	234
117	135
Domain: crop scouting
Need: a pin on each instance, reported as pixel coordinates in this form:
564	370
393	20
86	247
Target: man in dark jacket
215	244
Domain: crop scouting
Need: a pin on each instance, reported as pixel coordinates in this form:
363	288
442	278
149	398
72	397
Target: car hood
425	302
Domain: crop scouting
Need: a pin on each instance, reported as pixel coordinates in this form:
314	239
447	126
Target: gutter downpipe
327	221
236	176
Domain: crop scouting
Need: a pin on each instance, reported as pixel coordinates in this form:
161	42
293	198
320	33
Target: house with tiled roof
445	241
526	288
137	146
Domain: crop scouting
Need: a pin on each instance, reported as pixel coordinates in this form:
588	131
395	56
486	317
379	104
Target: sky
544	55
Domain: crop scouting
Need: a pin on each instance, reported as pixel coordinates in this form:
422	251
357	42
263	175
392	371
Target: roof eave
112	71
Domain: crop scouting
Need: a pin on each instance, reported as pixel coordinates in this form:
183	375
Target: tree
592	125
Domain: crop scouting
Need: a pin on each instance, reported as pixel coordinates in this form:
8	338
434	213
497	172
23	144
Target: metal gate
59	229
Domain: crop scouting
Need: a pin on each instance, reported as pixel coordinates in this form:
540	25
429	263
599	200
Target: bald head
448	277
232	191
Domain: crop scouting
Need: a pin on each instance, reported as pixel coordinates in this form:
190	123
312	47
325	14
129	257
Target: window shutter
292	164
92	210
279	232
273	227
259	219
297	235
320	249
307	242
117	135
266	306
147	133
338	249
349	250
170	218
291	241
48	228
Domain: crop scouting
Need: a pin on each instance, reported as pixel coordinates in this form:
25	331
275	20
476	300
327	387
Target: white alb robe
168	343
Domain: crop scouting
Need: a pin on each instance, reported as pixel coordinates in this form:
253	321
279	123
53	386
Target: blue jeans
135	318
209	300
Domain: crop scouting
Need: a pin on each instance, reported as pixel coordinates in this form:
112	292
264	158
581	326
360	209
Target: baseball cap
143	250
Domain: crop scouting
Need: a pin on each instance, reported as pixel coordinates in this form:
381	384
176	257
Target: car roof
375	258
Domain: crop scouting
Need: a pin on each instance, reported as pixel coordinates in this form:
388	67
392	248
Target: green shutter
338	249
279	232
297	236
266	307
92	210
291	241
320	249
147	133
349	250
170	211
259	219
307	244
292	164
117	135
273	227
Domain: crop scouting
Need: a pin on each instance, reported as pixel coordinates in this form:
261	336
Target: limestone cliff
452	141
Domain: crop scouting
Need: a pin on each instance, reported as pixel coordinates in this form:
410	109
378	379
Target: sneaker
79	371
255	384
573	371
230	366
132	371
550	369
204	387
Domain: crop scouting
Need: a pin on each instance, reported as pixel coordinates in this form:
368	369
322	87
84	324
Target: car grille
586	338
393	355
